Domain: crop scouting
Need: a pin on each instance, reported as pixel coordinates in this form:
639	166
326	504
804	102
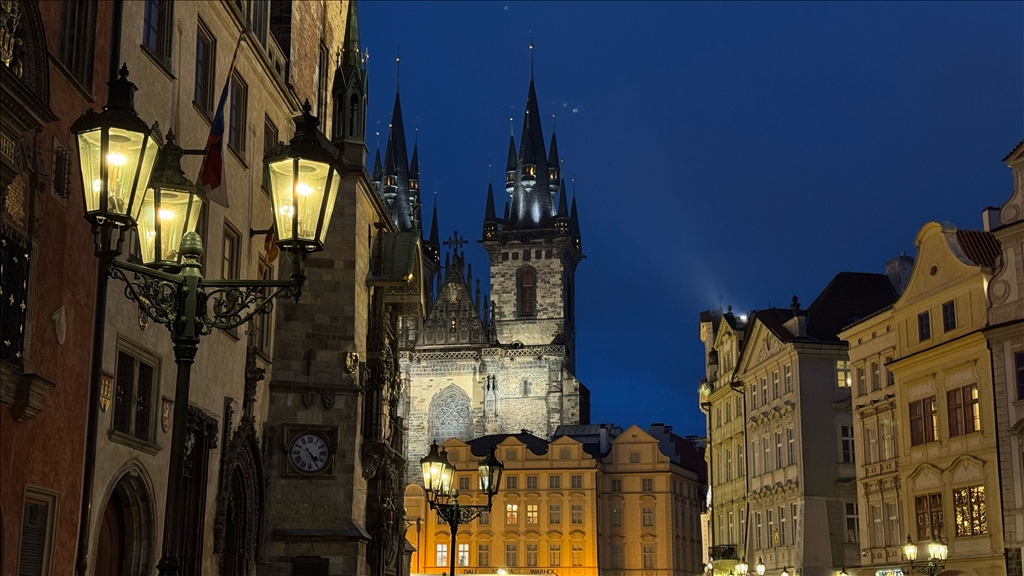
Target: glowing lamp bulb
287	210
97	185
115	159
166	214
303	189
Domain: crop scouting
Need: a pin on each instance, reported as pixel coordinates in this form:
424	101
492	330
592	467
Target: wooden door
111	548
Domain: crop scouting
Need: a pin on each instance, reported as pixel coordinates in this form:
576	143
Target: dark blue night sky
747	151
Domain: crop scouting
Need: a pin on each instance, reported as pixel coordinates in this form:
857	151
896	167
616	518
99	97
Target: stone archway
450	415
238	523
125	538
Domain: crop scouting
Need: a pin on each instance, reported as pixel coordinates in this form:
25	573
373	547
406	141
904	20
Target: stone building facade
930	465
594	500
791	387
502	363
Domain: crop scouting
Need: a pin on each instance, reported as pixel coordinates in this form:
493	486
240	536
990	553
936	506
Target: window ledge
24	393
133	442
160	63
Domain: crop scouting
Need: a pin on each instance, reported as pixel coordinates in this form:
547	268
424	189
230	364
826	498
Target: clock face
309	453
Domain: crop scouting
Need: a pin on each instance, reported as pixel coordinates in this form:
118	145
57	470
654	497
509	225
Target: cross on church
455	242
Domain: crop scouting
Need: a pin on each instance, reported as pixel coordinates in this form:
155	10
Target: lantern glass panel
447	475
178	213
311	190
281	182
129	158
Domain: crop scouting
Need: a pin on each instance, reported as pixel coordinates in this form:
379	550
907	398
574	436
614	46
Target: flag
211	178
270	247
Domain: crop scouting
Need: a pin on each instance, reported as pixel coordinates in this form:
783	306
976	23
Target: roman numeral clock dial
309	453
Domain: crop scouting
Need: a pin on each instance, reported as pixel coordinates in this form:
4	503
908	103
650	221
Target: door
111	548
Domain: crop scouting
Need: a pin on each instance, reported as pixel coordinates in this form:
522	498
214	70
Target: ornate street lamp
170	209
438	478
303	186
785	571
760	567
117	154
116	151
742	569
938	552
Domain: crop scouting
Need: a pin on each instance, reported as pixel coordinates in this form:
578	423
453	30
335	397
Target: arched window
526	286
353	116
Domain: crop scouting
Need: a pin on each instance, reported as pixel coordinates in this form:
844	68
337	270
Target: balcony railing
724	552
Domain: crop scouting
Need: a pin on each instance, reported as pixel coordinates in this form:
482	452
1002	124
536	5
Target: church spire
554	169
396	186
434	238
490	220
378	170
562	216
511	165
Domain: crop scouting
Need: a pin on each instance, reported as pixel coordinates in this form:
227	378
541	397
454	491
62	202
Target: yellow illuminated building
595	500
925	417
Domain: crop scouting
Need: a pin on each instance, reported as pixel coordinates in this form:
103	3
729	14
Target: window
728	464
463	483
775	384
764	391
852	529
512	554
527	291
929	516
758	538
877	536
133	397
577	554
576	514
647	516
442	555
792	525
511	482
615	517
1018	361
554	554
230	255
782	527
78	39
62	170
893	532
239	109
731	518
753	396
261	19
718	424
787	378
616	559
532	514
322	83
755	450
871	439
647	484
876	380
483	554
531	554
924	326
843	373
772	537
554	481
778	450
463	555
648	556
767	455
269	141
531	482
511	514
888	439
576	481
554	513
964	412
862	387
846	435
743	530
616	484
728	410
948	316
969	507
485	517
634	456
740	471
791	440
890	378
206	58
158	28
923	421
34	555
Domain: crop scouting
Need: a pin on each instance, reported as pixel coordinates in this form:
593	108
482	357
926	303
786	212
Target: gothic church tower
504	364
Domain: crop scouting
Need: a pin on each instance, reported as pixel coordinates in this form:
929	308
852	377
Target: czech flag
211	175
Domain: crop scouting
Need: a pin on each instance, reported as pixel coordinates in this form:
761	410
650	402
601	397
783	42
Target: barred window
61	172
135	389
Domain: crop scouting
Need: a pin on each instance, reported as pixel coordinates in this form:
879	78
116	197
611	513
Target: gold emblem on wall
106	391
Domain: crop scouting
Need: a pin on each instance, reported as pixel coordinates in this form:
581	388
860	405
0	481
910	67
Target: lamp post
127	184
937	554
438	475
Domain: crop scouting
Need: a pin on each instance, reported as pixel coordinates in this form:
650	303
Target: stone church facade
503	363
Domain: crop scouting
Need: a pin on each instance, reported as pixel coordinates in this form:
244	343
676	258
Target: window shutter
33	539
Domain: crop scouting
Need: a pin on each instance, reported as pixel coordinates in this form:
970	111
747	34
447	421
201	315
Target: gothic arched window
353	116
526	290
450	415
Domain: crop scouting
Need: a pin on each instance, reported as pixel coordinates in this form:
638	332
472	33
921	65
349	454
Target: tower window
527	291
353	116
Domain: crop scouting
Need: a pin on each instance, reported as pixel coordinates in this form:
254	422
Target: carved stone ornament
165	413
308	399
351	362
328	399
240	498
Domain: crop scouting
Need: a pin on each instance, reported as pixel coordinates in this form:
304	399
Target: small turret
574	227
562	216
378	170
554	169
510	168
414	164
490	220
349	94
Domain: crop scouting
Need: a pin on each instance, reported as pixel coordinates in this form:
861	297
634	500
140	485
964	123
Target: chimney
990	218
898	270
604	439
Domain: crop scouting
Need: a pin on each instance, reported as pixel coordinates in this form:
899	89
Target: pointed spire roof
489	215
434	238
574	221
553	152
531	142
563	210
378	171
414	164
352	55
512	159
506	210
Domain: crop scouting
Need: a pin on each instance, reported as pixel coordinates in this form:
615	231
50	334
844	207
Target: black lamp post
118	159
936	561
438	476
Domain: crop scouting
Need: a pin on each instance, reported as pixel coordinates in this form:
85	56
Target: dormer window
526	289
509	177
